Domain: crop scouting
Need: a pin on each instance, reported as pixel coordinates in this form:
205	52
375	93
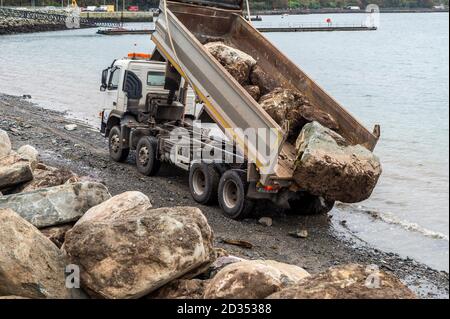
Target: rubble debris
126	249
56	205
31	266
255	279
347	282
327	166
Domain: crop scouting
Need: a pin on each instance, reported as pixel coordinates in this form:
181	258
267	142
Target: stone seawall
119	16
20	25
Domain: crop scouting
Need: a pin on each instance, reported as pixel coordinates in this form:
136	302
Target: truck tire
233	199
116	150
147	161
204	183
308	204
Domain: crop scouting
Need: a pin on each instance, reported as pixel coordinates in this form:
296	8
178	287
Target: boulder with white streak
255	279
126	249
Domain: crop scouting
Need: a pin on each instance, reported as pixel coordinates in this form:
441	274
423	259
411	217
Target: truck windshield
156	78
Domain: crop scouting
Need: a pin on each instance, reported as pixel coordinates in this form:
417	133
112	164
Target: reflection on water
397	76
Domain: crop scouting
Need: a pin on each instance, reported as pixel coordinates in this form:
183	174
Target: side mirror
104	85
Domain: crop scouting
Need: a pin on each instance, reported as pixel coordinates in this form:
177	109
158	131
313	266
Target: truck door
111	94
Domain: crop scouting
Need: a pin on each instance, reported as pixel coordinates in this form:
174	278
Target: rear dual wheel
233	199
147	161
203	183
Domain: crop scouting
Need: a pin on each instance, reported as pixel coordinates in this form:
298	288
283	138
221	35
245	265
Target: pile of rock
62	238
326	164
123	248
10	25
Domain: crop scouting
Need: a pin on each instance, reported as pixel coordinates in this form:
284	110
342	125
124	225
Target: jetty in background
266	29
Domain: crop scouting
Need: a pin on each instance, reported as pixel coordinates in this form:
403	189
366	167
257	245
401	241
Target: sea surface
397	76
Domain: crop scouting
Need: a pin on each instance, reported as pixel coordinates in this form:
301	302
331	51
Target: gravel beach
84	151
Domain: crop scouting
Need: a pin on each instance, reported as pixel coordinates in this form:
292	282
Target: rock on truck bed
326	164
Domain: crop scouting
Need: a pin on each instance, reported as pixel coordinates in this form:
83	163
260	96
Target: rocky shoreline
20	25
80	149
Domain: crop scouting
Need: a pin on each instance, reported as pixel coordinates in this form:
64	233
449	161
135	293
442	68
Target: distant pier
324	28
315	28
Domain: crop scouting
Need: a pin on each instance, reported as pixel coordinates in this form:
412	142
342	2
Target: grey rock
56	205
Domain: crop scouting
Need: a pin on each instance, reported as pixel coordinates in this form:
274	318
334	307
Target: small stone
70	127
299	233
265	221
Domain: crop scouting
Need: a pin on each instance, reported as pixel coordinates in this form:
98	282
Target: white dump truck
179	105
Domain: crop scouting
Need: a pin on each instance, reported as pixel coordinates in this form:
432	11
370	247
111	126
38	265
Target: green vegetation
255	4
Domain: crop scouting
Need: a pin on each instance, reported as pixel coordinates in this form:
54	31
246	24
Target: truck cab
128	84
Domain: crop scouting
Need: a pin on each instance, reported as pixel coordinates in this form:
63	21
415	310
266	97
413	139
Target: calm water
397	76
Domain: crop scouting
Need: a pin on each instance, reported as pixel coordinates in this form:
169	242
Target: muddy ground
85	152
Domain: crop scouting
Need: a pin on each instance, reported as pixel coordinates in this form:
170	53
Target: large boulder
239	64
290	108
30	264
47	176
254	279
327	166
14	171
29	153
5	144
56	205
254	91
126	249
348	282
263	80
181	289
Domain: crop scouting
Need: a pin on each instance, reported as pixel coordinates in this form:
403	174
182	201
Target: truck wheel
116	151
309	204
146	156
204	183
233	189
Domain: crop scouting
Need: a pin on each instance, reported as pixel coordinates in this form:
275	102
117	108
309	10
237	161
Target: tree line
255	4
